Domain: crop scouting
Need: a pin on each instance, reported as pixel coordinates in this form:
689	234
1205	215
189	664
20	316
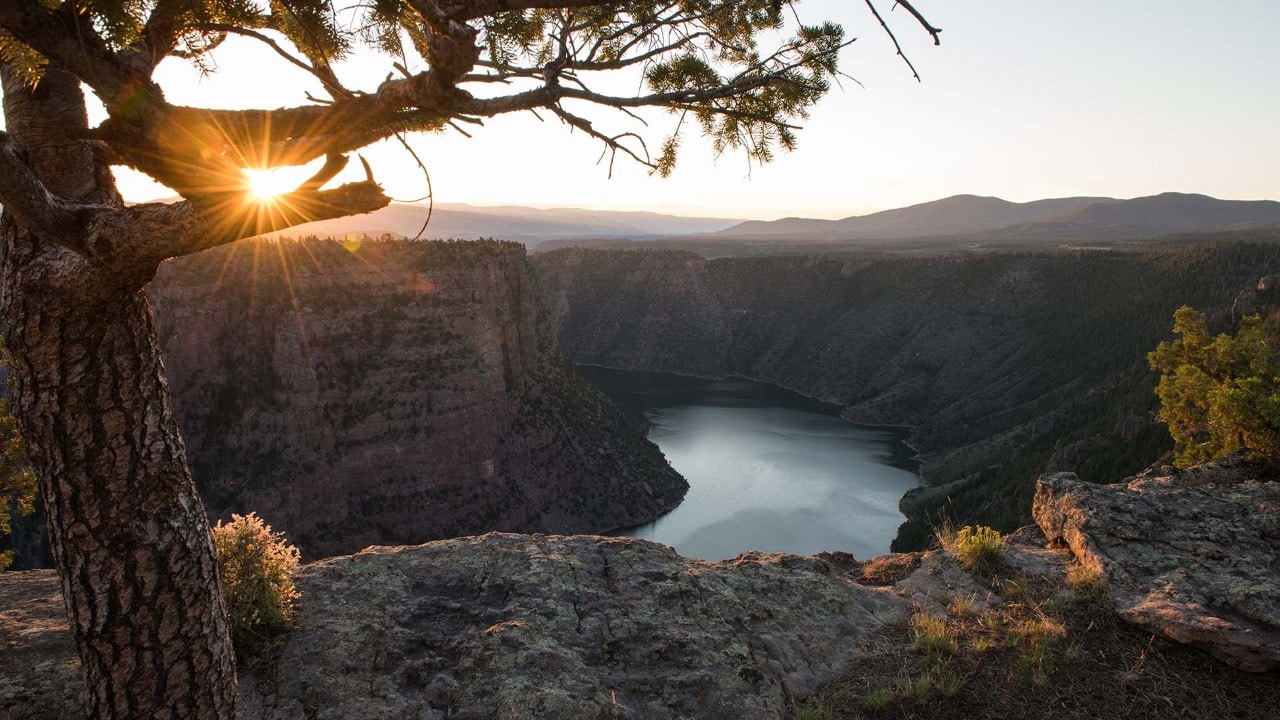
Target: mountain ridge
964	217
974	215
530	226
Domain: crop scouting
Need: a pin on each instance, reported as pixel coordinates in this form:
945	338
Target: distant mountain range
964	219
971	215
528	225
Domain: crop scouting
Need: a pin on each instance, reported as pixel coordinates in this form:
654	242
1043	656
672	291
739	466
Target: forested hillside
1005	364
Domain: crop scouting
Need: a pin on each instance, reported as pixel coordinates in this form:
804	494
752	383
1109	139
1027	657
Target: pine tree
1219	395
129	535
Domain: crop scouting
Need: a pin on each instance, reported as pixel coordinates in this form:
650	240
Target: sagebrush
977	548
257	565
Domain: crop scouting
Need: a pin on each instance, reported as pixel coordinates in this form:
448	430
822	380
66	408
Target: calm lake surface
768	469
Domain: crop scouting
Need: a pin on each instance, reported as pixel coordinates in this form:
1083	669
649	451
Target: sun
267	184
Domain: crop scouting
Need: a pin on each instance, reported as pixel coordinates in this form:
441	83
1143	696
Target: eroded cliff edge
579	628
392	392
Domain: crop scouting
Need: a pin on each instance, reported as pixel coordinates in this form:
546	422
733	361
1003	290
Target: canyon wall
1006	365
392	392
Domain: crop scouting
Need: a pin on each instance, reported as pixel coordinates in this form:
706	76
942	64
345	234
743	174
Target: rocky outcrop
516	626
392	393
520	627
570	628
1193	555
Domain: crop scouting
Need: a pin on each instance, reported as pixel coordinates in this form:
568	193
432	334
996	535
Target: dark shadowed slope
1005	364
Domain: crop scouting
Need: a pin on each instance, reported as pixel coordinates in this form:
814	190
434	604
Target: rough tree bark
128	531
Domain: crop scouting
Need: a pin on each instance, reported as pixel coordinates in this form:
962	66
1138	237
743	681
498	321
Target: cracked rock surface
1193	555
519	626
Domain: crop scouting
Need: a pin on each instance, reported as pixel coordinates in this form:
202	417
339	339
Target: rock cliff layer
392	392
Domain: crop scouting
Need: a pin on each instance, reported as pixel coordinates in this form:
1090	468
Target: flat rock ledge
1193	555
519	626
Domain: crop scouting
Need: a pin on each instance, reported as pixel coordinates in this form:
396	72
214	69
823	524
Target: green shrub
1221	394
256	565
17	480
977	548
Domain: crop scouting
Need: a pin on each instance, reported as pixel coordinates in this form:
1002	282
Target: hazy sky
1024	99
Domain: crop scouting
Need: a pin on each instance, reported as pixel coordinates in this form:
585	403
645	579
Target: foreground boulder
518	626
1193	555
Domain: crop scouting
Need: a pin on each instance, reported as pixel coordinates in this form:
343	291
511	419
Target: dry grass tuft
929	634
1086	581
888	569
978	548
963	605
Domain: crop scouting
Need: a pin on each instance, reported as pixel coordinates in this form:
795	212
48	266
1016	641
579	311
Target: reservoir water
768	469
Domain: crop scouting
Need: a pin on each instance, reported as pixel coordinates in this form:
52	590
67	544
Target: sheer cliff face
1005	364
392	392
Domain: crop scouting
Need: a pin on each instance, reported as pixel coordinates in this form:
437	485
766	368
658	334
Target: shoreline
912	462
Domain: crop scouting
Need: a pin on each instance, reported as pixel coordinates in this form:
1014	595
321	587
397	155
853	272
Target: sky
1024	99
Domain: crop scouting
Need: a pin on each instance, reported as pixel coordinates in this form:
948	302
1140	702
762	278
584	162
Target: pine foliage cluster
1219	395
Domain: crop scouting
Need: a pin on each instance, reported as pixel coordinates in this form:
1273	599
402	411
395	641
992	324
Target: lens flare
267	184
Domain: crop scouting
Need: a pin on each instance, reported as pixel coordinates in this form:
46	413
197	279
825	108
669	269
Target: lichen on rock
1193	555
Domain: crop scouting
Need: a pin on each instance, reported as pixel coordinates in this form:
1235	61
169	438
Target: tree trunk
128	532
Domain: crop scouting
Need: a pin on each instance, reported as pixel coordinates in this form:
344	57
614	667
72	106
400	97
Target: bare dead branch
333	165
463	10
894	38
325	75
636	59
934	31
613	144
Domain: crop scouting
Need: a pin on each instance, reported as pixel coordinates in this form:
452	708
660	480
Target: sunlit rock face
573	628
1188	554
392	392
519	626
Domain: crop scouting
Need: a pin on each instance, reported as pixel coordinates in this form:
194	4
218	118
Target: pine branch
150	233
